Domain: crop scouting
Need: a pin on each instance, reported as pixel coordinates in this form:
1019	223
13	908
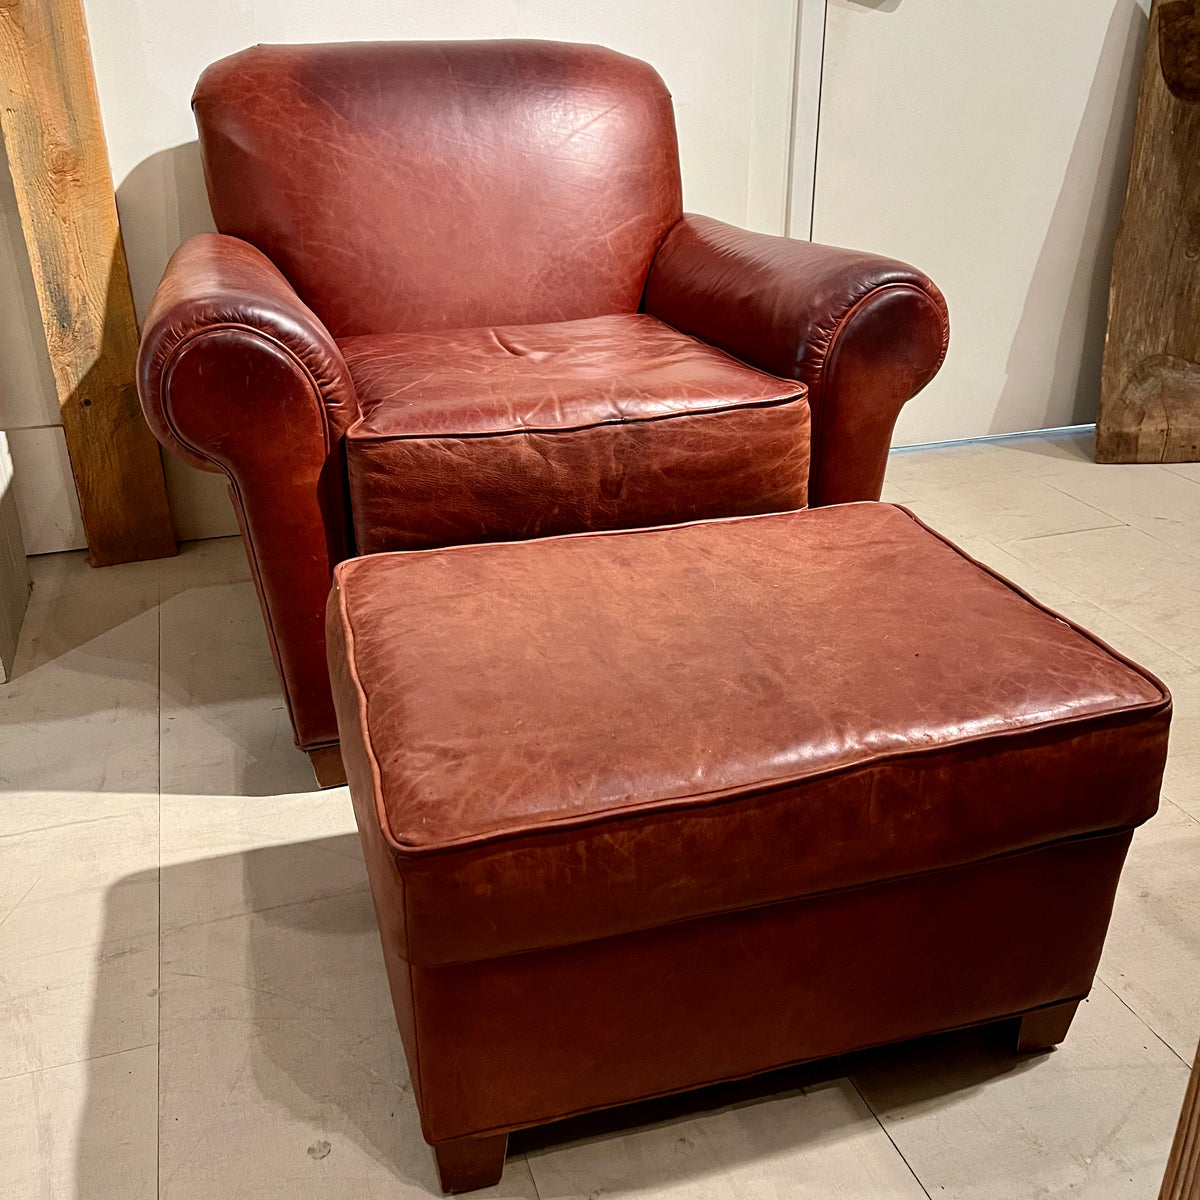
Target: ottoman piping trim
827	893
355	434
402	849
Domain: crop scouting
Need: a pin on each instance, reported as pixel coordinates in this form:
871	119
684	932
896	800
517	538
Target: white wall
987	143
14	571
728	64
41	489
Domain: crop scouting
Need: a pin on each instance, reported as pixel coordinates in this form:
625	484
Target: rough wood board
1182	1180
1150	386
50	117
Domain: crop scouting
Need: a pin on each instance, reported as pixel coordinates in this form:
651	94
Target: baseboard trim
997	437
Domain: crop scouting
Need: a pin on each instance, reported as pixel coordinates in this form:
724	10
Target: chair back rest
441	185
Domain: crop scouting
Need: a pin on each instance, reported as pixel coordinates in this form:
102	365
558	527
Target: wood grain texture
1150	386
50	118
1182	1180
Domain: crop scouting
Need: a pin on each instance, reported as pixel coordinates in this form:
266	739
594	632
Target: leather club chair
454	298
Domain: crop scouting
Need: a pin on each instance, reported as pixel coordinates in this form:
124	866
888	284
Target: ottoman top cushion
892	702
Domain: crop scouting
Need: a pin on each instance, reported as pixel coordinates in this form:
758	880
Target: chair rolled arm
236	374
213	283
864	332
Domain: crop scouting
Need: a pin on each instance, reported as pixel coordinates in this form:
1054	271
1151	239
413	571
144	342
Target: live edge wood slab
1150	388
50	118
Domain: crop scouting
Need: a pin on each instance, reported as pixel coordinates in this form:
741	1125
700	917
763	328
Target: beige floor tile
1093	1119
1159	502
227	855
87	1131
78	941
208	563
1187	470
1182	780
966	463
893	493
81	711
999	508
282	1074
1138	578
819	1143
1152	954
282	1071
225	727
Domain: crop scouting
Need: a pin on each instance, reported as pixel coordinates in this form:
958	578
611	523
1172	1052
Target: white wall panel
987	143
44	491
14	573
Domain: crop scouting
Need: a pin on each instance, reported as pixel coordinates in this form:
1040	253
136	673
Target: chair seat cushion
509	432
576	737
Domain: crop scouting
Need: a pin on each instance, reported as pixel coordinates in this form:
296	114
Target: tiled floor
192	1000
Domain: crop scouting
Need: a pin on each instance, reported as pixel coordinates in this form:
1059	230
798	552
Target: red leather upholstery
367	193
648	809
237	375
865	333
507	432
469	183
693	708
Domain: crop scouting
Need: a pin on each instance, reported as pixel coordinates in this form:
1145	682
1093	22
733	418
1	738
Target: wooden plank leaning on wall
1150	388
1182	1180
50	118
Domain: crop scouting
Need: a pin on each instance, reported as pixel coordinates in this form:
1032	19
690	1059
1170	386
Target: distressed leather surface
865	333
528	1038
574	738
392	188
236	374
441	185
512	432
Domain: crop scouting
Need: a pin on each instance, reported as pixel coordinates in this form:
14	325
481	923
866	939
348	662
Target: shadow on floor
279	1057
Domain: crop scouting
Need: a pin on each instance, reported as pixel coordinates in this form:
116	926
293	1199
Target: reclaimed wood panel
1150	386
50	118
1182	1180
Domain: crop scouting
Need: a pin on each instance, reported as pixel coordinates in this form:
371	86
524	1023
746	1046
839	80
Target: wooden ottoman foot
327	766
1044	1028
469	1163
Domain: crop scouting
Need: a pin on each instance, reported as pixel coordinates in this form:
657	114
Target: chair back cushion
442	185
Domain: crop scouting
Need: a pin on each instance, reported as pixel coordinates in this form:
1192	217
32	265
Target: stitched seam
593	817
168	369
356	434
850	889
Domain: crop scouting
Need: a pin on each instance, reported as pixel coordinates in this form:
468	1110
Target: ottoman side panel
387	886
535	1037
411	493
901	817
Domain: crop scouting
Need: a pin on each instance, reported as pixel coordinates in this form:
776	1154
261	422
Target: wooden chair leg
469	1163
1044	1028
327	766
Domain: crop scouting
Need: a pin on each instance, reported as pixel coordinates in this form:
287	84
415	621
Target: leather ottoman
651	809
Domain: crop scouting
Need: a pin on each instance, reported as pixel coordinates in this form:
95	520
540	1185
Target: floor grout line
1134	1012
887	1134
363	888
159	931
158	1115
537	1191
75	1062
68	824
